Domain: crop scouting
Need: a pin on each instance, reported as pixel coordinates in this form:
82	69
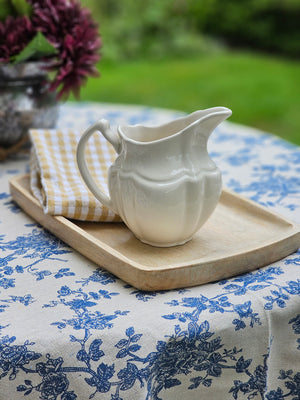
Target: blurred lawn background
189	55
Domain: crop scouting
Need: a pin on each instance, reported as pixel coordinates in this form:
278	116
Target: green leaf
6	9
38	47
22	7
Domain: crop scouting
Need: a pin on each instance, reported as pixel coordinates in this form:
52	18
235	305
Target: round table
71	330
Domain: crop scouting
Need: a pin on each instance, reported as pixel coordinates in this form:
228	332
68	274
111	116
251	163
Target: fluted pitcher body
163	184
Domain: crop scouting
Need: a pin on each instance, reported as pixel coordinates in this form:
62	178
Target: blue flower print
4	195
15	357
25	300
39	245
293	287
219	303
64	291
99	276
54	381
145	296
6	283
69	396
296	324
63	272
296	327
195	349
241	157
82	302
269	187
292	384
293	260
53	384
255	384
101	379
275	395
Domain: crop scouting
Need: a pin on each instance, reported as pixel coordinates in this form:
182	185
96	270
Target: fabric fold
55	179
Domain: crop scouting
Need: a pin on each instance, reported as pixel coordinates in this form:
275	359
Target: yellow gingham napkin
55	178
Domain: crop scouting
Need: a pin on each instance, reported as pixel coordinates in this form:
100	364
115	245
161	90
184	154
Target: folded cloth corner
55	179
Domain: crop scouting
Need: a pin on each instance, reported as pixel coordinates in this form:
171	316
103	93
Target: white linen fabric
70	330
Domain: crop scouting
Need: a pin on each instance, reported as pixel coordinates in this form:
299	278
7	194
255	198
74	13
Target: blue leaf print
242	365
129	331
95	353
293	287
128	376
122	343
63	272
100	276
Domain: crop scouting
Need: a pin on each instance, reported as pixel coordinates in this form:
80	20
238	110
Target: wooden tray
240	236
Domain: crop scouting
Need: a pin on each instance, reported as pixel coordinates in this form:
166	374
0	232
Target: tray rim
142	272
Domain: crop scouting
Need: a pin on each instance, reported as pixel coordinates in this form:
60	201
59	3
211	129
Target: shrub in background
271	25
133	28
147	28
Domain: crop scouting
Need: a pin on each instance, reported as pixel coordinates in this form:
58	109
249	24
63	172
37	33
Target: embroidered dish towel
55	179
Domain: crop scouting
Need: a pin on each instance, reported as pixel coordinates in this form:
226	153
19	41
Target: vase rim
23	70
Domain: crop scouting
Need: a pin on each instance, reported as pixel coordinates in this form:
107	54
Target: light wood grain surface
240	236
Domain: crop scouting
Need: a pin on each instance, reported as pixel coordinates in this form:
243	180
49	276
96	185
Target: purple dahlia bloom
15	34
69	27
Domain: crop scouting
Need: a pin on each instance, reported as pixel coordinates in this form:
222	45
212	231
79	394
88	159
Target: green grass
262	91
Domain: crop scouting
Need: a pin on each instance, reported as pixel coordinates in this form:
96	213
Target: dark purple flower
72	31
15	34
69	27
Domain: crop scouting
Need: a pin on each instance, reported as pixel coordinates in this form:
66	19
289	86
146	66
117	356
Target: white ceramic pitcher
163	183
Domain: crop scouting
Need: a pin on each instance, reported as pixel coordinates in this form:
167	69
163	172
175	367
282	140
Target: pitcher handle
103	127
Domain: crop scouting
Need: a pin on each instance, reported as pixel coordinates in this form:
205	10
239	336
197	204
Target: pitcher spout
214	116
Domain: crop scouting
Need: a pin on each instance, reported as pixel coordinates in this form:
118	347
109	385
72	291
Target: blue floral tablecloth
70	330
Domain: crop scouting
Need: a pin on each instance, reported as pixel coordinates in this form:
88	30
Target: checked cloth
55	178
